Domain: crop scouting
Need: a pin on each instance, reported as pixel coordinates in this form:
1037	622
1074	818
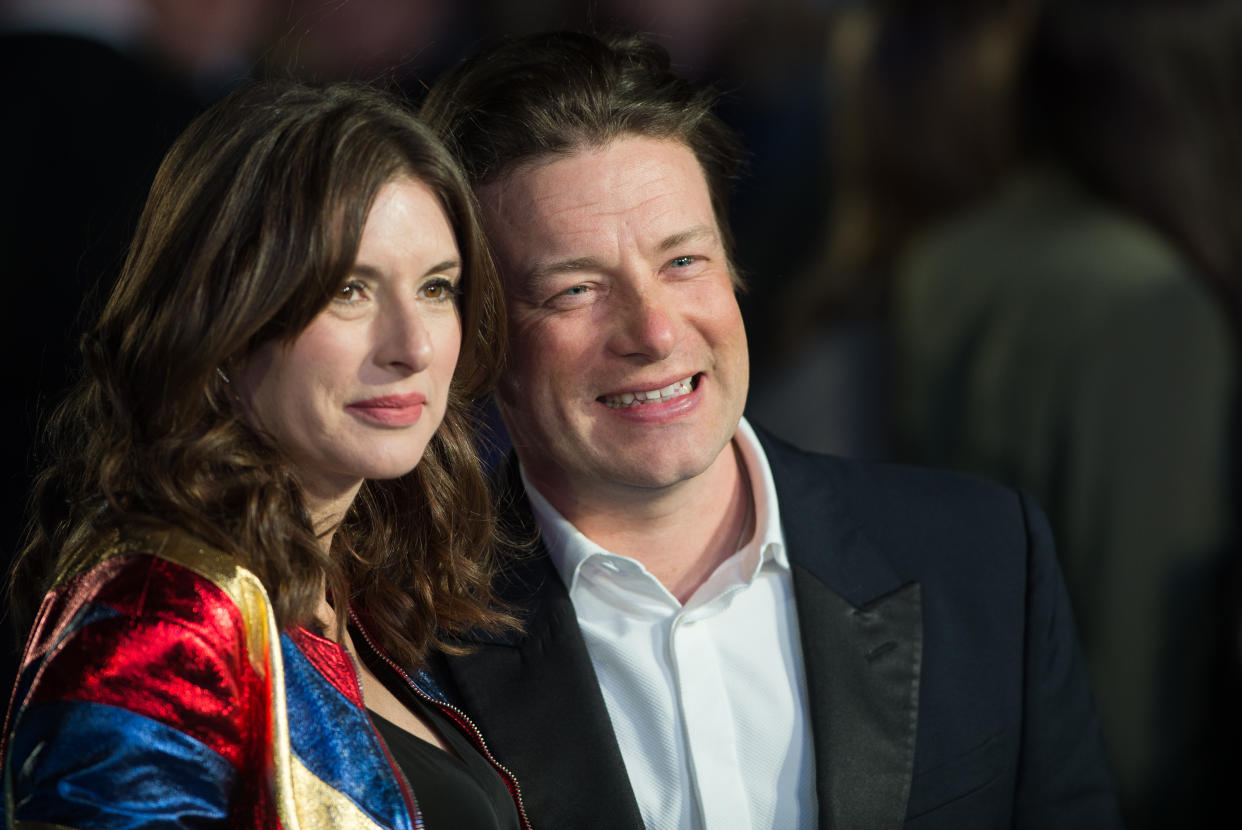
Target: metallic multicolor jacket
156	689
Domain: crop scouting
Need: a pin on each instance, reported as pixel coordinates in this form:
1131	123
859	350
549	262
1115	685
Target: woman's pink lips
390	410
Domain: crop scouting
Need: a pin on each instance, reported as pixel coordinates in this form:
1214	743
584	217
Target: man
722	631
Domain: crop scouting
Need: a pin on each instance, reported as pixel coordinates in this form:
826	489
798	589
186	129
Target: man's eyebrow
544	270
587	263
699	233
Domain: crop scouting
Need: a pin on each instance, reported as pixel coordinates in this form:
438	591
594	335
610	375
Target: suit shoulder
923	488
883	486
911	513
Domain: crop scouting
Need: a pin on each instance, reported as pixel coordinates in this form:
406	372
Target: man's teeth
673	390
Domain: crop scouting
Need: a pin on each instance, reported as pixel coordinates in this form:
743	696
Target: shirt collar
768	534
569	548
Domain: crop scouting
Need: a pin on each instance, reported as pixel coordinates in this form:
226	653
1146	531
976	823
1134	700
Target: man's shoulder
924	522
879	487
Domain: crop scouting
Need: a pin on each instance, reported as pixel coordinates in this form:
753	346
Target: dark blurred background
1003	236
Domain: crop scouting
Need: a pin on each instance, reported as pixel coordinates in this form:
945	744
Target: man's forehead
575	211
553	173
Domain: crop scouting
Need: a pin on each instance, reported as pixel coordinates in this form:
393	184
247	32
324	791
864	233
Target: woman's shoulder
154	545
145	535
150	604
163	574
145	656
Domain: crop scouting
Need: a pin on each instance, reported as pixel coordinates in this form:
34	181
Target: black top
457	790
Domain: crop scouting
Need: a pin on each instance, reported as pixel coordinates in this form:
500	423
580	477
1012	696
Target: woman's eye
682	261
440	289
350	292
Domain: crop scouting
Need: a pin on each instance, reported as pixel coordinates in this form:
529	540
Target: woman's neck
328	507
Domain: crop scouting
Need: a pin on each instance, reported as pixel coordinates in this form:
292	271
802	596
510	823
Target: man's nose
645	323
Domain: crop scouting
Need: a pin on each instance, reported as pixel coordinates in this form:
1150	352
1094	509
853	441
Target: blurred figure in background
95	91
401	45
921	94
1043	220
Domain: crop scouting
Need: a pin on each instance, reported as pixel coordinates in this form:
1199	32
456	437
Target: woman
241	550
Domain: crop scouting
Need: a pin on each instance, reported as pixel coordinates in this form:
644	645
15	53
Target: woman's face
362	389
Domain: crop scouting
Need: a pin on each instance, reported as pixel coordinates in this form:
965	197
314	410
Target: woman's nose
405	340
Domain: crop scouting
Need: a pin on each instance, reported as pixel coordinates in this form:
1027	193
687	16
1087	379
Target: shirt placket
706	716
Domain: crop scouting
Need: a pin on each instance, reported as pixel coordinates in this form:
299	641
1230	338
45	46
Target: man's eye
682	261
575	296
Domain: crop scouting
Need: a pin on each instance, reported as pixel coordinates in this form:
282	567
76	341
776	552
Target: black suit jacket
946	685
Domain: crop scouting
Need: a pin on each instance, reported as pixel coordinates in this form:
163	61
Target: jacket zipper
407	792
462	720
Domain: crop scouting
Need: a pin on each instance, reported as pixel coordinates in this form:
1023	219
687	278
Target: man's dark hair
556	92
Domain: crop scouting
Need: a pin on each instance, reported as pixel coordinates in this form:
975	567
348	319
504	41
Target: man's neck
679	533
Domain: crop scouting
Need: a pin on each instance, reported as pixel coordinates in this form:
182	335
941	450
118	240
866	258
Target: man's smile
666	393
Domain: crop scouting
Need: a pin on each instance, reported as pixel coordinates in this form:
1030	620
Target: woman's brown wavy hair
253	221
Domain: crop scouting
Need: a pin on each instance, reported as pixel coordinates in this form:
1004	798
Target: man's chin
661	469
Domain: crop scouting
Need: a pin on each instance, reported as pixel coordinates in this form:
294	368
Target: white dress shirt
708	700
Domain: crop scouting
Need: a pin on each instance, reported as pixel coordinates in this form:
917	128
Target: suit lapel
862	670
861	635
535	697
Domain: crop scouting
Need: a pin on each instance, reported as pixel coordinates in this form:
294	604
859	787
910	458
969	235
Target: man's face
628	364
